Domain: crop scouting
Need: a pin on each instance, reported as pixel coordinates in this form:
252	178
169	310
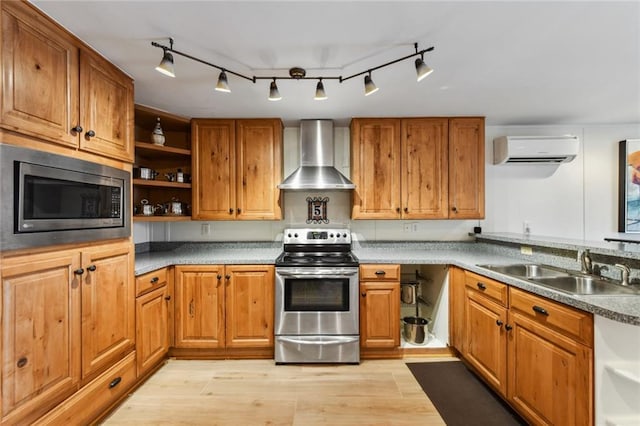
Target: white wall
574	200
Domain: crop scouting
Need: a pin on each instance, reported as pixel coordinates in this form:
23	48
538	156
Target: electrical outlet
414	227
205	229
526	250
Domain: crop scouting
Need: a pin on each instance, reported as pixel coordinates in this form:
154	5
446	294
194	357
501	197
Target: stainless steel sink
528	270
563	280
585	285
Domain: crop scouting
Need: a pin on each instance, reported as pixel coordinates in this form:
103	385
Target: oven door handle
336	340
315	274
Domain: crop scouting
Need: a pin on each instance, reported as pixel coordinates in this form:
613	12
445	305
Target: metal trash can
415	330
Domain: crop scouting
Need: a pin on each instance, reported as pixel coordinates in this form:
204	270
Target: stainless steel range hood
316	169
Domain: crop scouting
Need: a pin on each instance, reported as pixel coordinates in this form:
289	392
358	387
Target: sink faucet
624	279
587	263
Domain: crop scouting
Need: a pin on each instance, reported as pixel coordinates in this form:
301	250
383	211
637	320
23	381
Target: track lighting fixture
166	64
223	85
295	73
274	94
320	93
369	85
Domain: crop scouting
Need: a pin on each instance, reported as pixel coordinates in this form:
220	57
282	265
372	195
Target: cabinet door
457	300
259	169
379	314
106	108
214	169
375	168
108	306
249	306
466	168
40	333
550	375
199	306
424	168
486	341
152	338
39	76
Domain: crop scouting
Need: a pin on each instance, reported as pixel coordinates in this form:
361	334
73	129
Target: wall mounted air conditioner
535	149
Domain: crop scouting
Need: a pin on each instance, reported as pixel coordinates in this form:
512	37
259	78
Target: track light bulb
223	85
274	94
166	65
369	85
320	93
422	69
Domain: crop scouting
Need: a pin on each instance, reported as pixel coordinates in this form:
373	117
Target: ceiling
516	63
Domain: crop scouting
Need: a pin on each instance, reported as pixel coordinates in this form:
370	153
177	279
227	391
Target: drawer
492	289
569	321
380	272
150	281
92	400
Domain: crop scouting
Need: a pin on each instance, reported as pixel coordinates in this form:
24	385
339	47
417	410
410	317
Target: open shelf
161	184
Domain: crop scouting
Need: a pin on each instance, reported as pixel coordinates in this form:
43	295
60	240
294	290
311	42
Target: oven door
317	301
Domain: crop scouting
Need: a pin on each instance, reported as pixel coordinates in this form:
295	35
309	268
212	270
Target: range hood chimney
316	169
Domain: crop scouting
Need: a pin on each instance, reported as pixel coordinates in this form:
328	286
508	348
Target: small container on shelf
157	136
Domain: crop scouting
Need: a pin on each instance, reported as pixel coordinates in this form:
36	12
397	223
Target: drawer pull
154	280
540	310
499	323
22	362
115	382
91	268
508	327
481	286
79	271
380	272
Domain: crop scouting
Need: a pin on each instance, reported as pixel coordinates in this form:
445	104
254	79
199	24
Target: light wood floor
257	392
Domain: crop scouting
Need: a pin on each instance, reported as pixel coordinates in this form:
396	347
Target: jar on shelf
157	136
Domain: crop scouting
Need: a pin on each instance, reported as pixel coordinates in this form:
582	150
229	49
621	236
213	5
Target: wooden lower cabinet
67	316
379	306
537	353
221	306
153	304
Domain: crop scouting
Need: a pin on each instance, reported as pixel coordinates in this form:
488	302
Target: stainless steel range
317	315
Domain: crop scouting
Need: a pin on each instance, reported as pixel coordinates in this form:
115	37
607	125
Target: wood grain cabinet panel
108	306
57	89
237	165
418	168
40	333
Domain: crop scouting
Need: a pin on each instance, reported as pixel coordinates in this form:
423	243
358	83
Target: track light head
422	69
223	85
274	94
369	85
320	93
166	64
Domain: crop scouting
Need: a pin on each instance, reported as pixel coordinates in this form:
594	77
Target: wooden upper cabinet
40	333
106	108
424	168
108	306
214	169
466	168
237	165
40	76
375	170
418	168
56	89
259	169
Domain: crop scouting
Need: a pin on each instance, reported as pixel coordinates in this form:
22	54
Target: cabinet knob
397	209
79	271
406	209
454	209
508	327
499	323
77	129
91	268
167	298
230	211
227	277
90	134
481	286
363	294
154	280
219	277
239	211
22	362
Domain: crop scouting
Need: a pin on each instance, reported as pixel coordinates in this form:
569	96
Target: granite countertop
467	255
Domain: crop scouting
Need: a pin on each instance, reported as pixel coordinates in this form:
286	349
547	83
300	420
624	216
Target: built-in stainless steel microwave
52	199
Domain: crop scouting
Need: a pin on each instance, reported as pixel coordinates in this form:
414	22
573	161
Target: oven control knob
344	235
331	235
289	235
295	235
